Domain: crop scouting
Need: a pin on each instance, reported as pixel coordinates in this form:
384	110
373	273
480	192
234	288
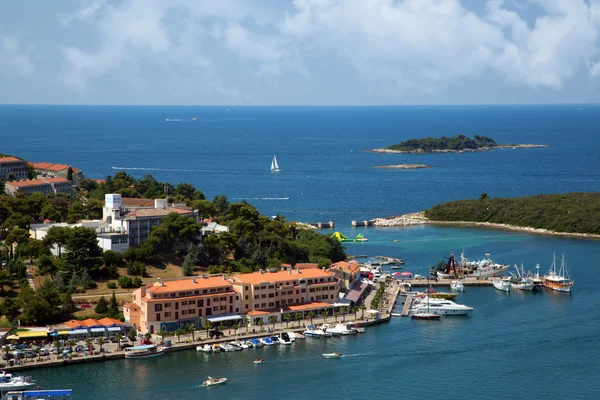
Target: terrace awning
114	329
226	317
97	330
31	335
78	332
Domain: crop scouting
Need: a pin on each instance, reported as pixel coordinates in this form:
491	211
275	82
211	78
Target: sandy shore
420	219
420	151
403	166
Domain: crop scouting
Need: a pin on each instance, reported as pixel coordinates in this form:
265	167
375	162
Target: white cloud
15	59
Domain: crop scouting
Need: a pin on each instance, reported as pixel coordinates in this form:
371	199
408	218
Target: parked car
55	350
44	352
126	345
7	356
66	350
124	339
18	354
31	354
11	347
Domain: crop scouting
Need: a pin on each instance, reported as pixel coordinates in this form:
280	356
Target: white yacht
284	338
502	284
10	382
441	307
312	331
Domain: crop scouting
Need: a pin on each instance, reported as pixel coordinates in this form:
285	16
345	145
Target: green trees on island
429	144
570	213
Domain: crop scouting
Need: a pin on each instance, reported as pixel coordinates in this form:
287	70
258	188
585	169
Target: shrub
137	282
92	285
111	285
112	257
125	282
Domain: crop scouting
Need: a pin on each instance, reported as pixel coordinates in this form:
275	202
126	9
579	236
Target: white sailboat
275	165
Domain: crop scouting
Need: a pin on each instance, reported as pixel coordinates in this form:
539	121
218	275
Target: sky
300	52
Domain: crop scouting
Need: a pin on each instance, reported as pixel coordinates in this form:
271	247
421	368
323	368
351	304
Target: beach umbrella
406	273
396	274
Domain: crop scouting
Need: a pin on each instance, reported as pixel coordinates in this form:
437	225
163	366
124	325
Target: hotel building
12	166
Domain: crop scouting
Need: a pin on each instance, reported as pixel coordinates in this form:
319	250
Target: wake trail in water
170	169
260	198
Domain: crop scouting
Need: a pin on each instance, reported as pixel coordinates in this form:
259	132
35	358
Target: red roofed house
45	186
12	167
347	272
57	170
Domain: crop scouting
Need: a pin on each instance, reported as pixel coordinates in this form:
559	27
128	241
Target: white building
108	237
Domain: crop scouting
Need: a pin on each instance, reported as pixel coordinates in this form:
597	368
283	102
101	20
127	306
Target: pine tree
113	307
101	307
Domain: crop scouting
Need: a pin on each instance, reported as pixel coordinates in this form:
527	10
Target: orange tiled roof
260	312
255	278
307	306
9	159
129	305
110	321
56	180
57	167
75	169
133	202
90	322
74	323
188	284
42	165
350	267
302	265
27	183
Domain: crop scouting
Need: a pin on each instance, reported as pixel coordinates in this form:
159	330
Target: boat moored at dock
502	284
11	382
144	351
559	281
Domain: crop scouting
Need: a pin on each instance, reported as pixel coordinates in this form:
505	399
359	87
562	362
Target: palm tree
101	343
311	315
324	316
245	322
362	308
88	343
343	311
235	328
299	317
287	318
207	325
118	338
148	336
178	332
132	335
191	328
355	310
273	319
336	315
162	335
71	343
261	323
57	345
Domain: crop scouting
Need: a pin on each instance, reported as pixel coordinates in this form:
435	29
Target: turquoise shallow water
518	345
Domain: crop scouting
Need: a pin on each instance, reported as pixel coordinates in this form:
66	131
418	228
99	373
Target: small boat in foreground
144	351
259	361
214	381
10	382
331	355
207	348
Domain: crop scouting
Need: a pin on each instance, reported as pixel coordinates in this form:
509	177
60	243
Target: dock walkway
407	305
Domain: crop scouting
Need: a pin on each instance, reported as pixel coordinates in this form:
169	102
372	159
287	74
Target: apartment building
12	167
170	305
44	186
50	170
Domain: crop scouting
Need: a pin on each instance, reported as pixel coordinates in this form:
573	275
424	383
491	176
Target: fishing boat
559	281
466	268
214	381
274	165
332	355
144	351
502	284
521	281
10	382
537	280
457	286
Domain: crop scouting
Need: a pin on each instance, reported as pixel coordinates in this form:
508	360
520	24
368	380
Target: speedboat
214	381
330	328
10	382
502	284
245	344
275	340
284	338
267	341
256	343
207	348
259	361
216	348
292	335
312	331
235	346
331	355
457	286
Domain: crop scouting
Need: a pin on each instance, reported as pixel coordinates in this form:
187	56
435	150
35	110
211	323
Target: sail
274	165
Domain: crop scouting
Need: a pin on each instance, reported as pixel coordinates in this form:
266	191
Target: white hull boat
523	286
502	284
332	355
144	351
457	286
207	348
274	165
10	382
214	381
559	281
441	307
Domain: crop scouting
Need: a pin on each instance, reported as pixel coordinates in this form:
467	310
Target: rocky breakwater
402	220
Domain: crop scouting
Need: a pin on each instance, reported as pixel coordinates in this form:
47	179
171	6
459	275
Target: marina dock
407	305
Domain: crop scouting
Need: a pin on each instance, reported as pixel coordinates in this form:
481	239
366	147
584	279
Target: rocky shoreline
420	219
403	166
421	151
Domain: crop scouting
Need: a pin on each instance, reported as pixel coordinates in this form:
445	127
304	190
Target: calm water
517	345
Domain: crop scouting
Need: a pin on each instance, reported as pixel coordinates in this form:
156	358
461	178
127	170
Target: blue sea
517	345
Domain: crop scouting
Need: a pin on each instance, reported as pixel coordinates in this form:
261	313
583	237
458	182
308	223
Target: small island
454	144
403	166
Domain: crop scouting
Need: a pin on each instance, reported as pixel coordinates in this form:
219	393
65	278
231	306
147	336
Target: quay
363	223
322	225
407	305
446	282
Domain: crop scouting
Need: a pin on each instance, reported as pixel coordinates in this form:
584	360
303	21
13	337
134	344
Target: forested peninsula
571	213
460	143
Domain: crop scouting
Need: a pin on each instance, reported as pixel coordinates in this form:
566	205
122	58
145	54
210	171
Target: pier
322	225
407	305
363	223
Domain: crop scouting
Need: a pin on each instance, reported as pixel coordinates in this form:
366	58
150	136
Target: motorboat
216	348
559	281
312	331
267	341
259	361
235	346
332	329
332	355
36	394
245	344
284	338
256	343
207	348
10	382
441	307
292	335
502	284
226	347
457	286
521	281
275	340
214	381
144	351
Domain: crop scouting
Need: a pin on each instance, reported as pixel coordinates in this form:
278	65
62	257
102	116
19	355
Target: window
271	305
157	316
255	297
263	296
158	307
167	314
192	301
247	306
231	300
167	305
271	295
207	302
246	297
184	303
201	303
